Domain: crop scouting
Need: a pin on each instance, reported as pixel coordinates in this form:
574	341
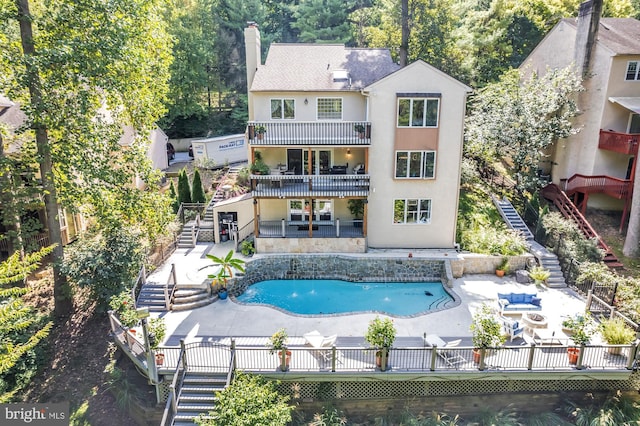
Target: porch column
310	217
364	218
256	218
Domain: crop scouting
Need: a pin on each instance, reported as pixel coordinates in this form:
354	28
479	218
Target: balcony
316	229
309	133
613	187
309	186
622	143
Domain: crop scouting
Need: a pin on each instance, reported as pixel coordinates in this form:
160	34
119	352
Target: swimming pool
321	297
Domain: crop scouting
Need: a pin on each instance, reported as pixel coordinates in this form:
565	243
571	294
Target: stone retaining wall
348	268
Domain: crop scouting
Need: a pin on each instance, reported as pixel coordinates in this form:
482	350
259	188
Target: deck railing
309	133
614	187
340	359
318	229
623	143
291	186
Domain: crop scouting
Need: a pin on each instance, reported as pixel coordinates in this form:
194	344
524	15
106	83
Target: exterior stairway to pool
545	258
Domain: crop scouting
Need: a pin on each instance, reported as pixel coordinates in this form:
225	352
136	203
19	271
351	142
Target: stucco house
352	151
596	167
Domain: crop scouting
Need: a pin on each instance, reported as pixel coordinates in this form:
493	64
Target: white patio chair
452	359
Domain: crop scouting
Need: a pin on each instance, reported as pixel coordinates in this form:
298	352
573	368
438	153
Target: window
416	164
329	108
414	211
634	123
322	210
418	112
283	109
632	70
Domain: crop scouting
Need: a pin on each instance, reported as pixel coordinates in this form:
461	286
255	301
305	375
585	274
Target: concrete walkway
228	318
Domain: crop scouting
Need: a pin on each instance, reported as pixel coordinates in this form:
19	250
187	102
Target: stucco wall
353	105
443	190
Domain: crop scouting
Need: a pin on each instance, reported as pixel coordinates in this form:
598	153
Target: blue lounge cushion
528	298
517	298
536	301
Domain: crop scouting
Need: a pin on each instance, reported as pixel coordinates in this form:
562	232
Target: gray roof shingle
621	35
310	67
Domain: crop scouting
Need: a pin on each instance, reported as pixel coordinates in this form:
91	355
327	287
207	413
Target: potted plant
359	128
539	275
615	331
157	330
581	327
486	331
227	265
260	131
356	207
503	267
258	167
278	343
381	335
247	248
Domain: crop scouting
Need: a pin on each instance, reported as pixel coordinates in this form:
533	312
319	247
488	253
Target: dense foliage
21	327
249	400
105	262
519	118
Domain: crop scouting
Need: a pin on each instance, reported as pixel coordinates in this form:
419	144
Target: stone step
193	305
189	299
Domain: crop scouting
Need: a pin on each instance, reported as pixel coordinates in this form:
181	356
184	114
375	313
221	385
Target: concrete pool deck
228	318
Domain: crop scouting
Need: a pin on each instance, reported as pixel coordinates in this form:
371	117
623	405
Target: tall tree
197	192
519	119
184	190
82	72
325	21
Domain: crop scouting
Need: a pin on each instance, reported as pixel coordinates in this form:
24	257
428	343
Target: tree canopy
519	117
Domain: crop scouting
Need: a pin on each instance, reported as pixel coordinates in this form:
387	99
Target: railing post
173	273
532	353
481	365
579	365
334	358
233	350
184	354
589	300
434	354
633	353
283	228
338	228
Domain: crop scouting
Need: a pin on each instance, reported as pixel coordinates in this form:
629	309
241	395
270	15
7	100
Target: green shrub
616	332
249	400
105	262
197	192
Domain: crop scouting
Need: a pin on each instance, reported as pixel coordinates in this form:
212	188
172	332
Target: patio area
226	318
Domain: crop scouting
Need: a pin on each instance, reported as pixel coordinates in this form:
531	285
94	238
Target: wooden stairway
555	195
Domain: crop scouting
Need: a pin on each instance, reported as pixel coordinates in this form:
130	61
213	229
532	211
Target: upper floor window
329	108
412	211
633	69
416	164
418	112
283	109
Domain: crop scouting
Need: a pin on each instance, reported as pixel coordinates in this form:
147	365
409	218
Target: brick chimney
587	33
254	59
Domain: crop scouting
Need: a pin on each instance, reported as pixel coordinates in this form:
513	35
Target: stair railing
168	296
137	285
171	407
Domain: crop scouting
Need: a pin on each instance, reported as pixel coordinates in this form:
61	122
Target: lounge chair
452	359
323	344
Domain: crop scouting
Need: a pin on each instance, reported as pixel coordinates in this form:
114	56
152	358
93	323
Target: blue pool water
317	297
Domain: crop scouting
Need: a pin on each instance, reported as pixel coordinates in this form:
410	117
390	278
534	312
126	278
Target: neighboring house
597	165
70	224
353	151
156	151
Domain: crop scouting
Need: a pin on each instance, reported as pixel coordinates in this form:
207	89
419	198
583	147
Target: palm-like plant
227	265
